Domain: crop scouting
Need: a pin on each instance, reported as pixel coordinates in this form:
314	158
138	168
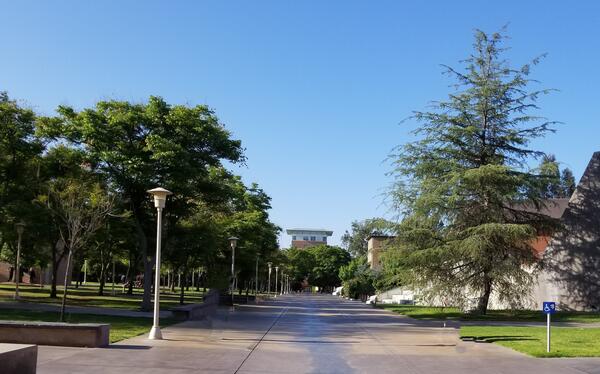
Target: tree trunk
102	280
128	276
54	280
485	296
55	262
181	287
146	299
143	242
64	298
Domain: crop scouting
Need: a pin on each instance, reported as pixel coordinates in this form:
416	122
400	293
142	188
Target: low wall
18	358
198	311
52	333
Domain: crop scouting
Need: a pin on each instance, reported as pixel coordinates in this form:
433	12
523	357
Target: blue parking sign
549	307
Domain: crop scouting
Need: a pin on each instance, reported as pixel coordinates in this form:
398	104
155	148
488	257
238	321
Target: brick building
303	238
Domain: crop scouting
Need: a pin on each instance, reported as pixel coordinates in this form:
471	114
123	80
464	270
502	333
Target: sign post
549	307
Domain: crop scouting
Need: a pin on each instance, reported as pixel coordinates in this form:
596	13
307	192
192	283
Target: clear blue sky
315	89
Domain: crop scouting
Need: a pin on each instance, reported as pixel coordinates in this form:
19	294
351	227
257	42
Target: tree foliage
355	240
357	278
556	184
462	185
57	170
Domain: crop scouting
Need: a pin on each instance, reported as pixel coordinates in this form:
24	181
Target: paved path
81	309
304	334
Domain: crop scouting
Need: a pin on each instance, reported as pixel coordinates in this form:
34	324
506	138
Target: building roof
554	208
379	235
295	231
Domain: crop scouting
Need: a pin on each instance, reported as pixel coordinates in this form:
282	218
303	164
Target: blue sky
315	89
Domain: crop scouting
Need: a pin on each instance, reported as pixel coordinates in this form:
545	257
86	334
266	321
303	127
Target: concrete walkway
304	334
81	309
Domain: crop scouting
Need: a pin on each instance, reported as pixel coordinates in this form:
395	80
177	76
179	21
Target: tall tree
20	152
81	208
327	263
549	171
140	146
463	184
355	241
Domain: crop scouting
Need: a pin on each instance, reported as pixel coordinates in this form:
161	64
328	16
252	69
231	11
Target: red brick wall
305	243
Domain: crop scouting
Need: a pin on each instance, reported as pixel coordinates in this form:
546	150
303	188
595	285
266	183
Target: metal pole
155	331
548	332
269	284
18	269
84	272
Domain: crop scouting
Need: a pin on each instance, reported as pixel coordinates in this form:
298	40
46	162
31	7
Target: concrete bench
198	311
55	333
18	358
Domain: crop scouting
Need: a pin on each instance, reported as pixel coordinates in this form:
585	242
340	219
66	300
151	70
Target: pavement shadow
497	338
129	346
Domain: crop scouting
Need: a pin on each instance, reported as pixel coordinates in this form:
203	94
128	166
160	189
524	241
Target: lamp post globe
160	197
233	243
20	227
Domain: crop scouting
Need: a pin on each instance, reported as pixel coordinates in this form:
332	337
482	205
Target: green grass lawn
566	341
88	296
439	313
120	327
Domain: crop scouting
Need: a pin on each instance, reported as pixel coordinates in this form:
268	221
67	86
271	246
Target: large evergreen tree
463	184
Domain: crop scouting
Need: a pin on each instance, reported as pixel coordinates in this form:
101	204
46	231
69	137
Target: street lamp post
276	272
20	229
282	283
160	197
233	242
269	280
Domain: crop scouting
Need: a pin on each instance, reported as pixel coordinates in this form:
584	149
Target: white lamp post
20	229
233	242
269	280
160	197
276	272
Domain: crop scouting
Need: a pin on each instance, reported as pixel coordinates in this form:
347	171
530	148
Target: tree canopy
461	184
54	168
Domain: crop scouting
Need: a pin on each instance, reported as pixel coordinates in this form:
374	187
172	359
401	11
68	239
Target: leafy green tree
462	185
550	172
355	241
327	263
20	152
300	265
556	184
58	164
140	146
81	208
357	278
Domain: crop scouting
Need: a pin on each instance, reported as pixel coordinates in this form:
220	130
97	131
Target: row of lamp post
160	196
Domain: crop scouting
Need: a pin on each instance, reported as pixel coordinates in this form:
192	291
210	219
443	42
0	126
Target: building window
305	238
313	238
324	238
294	237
